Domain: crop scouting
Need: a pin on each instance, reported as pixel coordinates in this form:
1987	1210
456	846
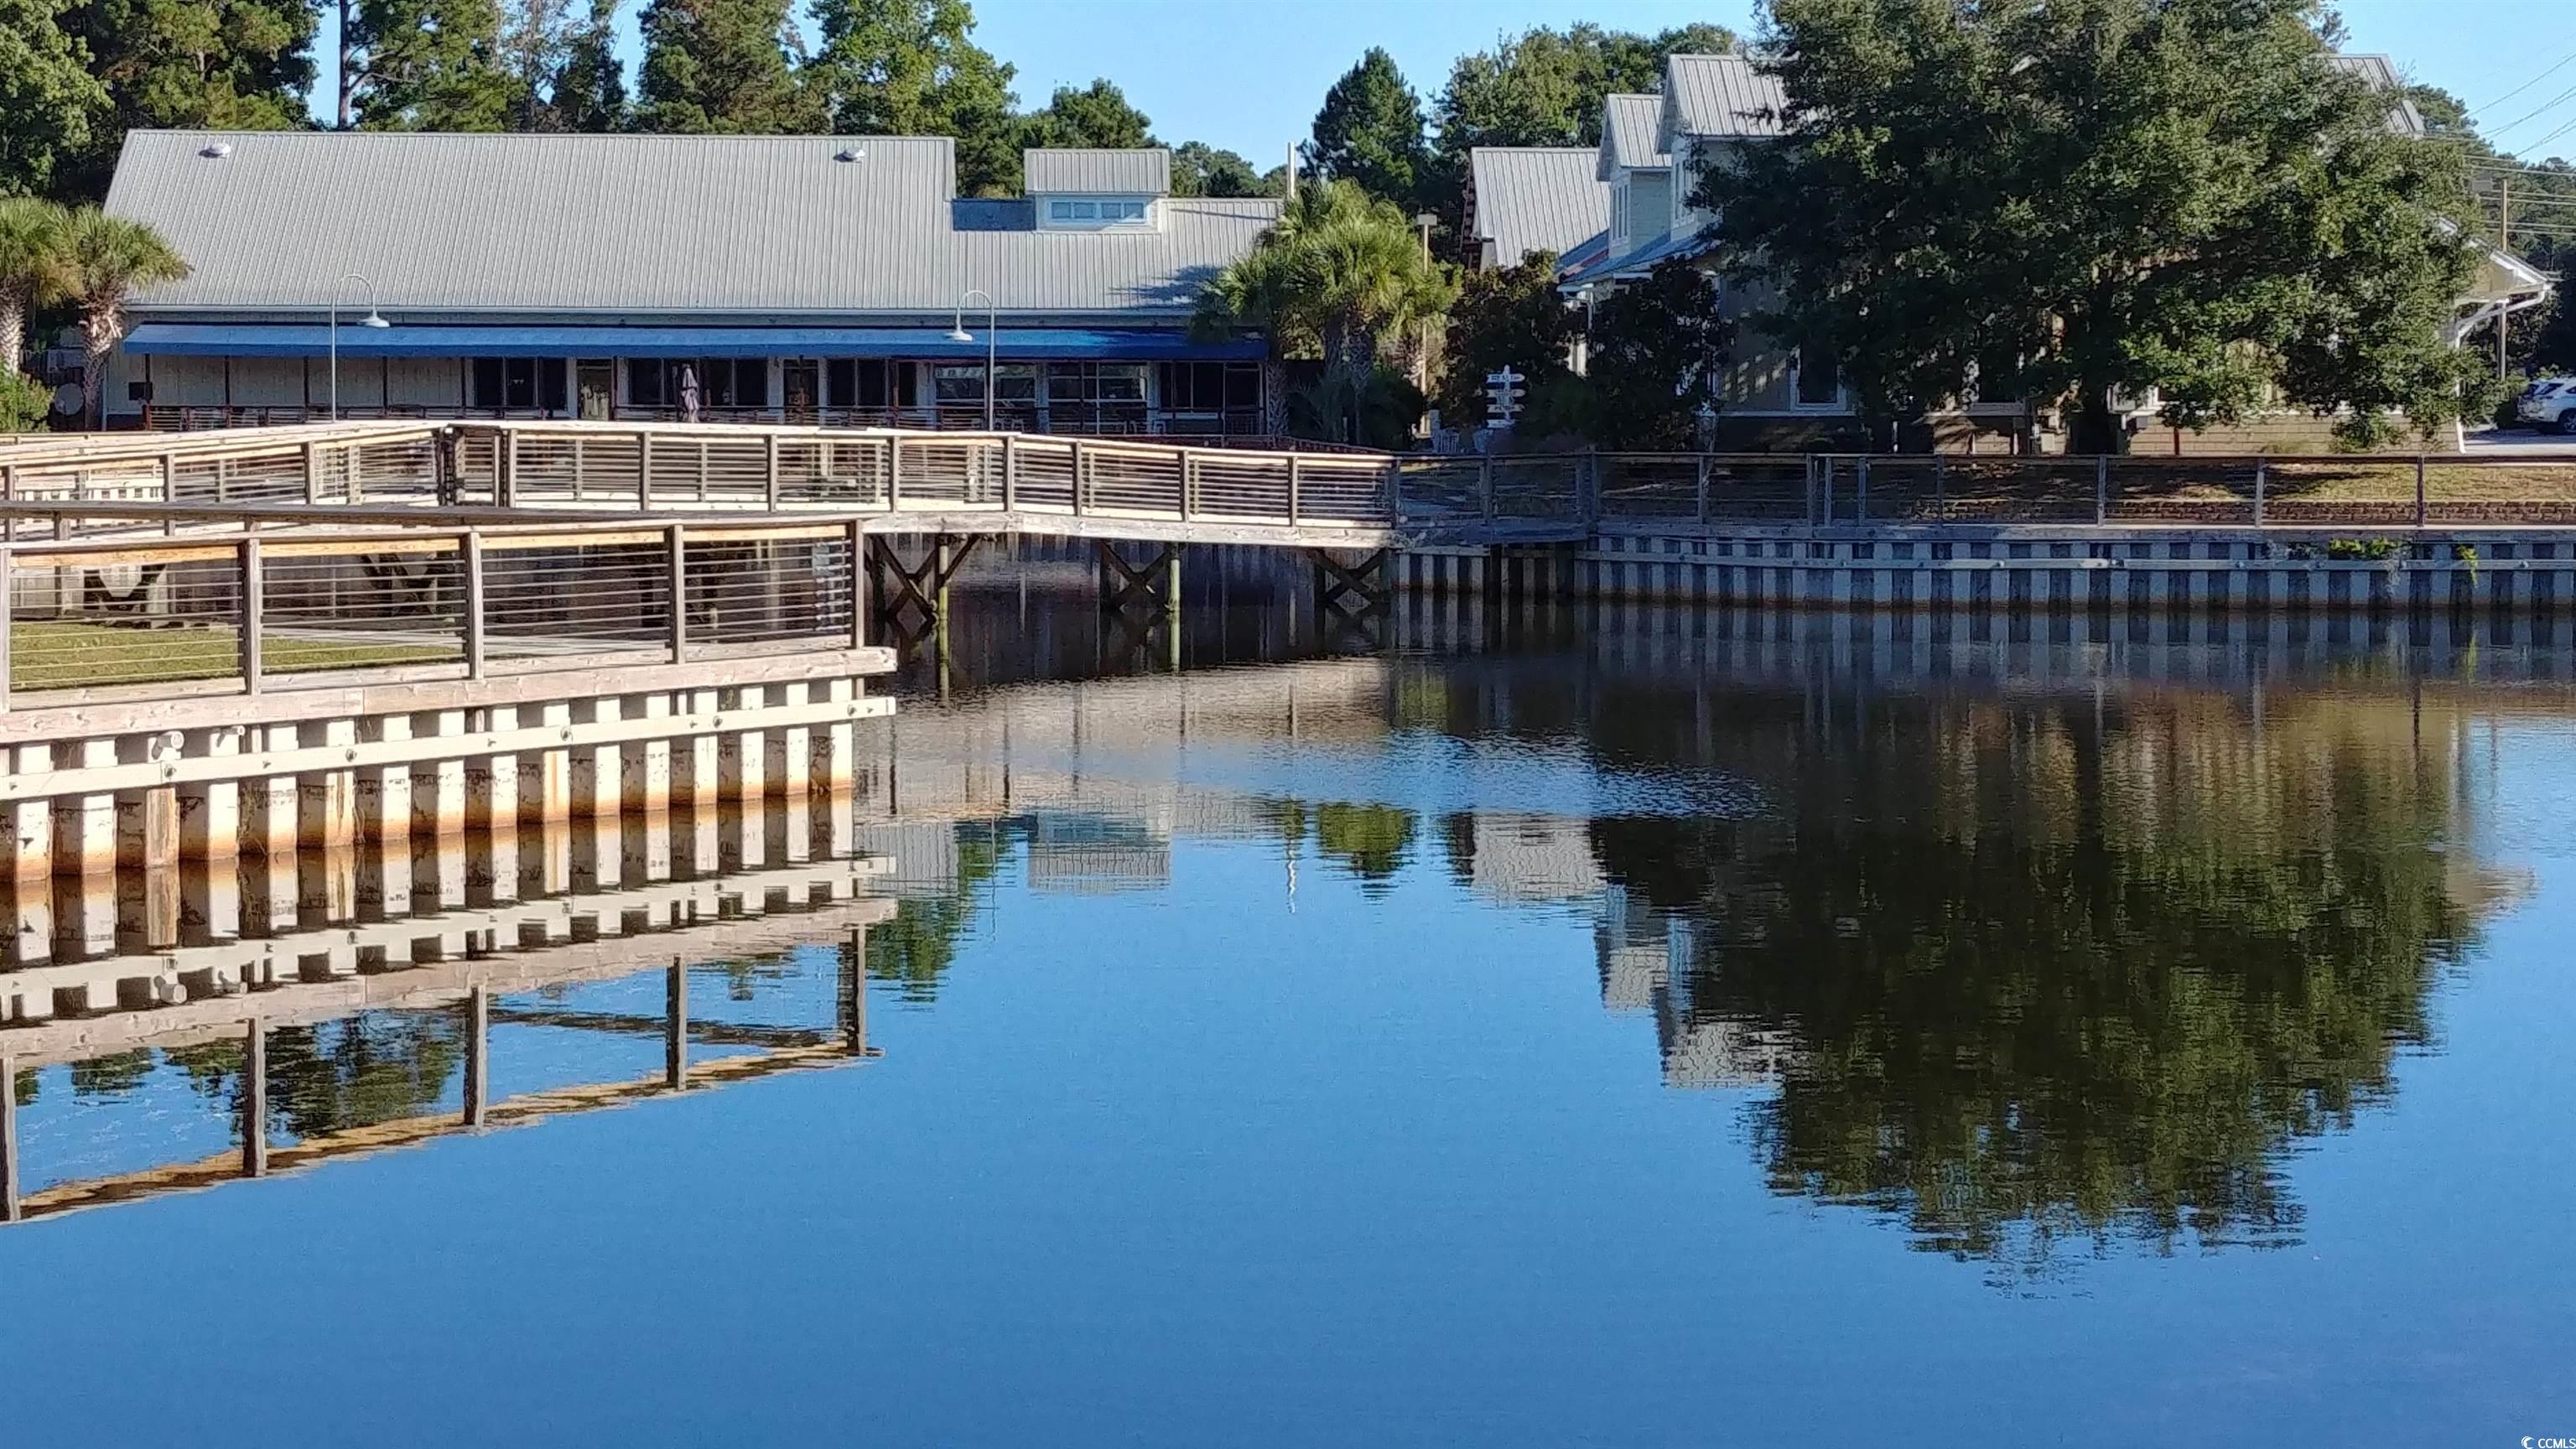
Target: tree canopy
1341	275
1094	115
1370	132
1544	87
1199	169
2182	196
721	66
912	68
1512	317
49	100
436	65
1658	348
237	64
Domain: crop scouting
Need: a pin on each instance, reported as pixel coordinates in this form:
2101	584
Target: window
1083	210
963	382
1060	211
1122	211
1076	383
1816	385
1207	387
723	382
521	384
849	382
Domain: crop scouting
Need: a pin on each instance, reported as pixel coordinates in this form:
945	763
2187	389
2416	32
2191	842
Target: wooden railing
247	602
1306	488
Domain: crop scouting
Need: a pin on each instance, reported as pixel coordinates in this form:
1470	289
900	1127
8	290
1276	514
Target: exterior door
593	385
800	382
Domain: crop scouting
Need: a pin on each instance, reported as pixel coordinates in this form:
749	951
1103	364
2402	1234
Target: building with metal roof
770	276
1522	200
1651	147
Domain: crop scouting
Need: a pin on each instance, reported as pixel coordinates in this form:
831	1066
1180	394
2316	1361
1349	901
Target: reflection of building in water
1089	854
1523	858
1646	966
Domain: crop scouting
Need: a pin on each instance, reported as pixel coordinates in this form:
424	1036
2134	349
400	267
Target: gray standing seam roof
2380	74
1143	171
1721	95
724	225
1728	96
1632	133
1536	198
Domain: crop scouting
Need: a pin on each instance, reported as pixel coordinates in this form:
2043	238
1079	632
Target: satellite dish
69	398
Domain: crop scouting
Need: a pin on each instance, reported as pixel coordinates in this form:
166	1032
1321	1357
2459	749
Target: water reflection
2030	942
240	1039
2027	956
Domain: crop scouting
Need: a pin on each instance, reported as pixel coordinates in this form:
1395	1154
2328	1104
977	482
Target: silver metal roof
1719	95
1535	198
2380	74
1142	171
635	225
1632	134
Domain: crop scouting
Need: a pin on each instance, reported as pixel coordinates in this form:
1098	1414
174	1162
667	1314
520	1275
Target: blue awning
1018	344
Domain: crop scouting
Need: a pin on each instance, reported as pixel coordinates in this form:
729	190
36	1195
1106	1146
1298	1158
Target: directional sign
1503	394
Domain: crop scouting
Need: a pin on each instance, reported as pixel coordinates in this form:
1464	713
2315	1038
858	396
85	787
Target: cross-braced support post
1352	591
1154	588
900	590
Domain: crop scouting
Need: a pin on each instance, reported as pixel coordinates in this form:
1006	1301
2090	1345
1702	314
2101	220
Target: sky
1247	75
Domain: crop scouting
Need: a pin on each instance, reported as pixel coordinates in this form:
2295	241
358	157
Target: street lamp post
372	319
992	341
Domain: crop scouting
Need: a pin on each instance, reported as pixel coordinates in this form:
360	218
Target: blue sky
1247	75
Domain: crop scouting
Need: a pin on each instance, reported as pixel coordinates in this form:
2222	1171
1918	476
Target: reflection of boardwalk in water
459	964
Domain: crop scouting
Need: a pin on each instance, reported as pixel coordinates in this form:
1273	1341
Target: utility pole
2504	242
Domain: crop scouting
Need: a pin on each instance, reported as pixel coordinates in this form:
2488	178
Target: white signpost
1503	394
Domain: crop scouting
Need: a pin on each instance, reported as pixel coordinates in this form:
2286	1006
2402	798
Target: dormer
1098	189
1638	170
1712	104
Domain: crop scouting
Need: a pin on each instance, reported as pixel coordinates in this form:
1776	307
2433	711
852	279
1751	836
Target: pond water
1582	1026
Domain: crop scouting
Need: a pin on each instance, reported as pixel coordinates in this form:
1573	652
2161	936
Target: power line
2555	100
2557	66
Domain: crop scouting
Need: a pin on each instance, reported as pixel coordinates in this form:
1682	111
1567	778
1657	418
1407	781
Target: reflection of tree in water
917	946
2040	974
113	1075
1371	841
377	1066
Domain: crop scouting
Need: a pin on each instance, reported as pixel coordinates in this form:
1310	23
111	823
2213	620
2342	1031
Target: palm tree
1339	276
107	259
31	268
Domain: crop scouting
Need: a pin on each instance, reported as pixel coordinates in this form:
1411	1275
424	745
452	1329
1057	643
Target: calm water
1618	1028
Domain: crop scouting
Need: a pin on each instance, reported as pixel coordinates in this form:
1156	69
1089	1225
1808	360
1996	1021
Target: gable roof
1720	96
2380	74
636	225
1526	199
1136	171
1632	134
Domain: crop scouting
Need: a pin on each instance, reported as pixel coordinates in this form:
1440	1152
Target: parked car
2550	402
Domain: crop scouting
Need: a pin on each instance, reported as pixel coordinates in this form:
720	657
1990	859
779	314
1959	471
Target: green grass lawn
71	656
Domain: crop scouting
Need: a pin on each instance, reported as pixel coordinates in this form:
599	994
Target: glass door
594	381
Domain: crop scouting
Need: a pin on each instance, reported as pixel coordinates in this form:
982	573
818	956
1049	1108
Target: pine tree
433	65
1370	131
721	66
238	64
589	91
49	101
911	68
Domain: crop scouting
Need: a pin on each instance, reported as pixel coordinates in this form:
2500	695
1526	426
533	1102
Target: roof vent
216	150
850	153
